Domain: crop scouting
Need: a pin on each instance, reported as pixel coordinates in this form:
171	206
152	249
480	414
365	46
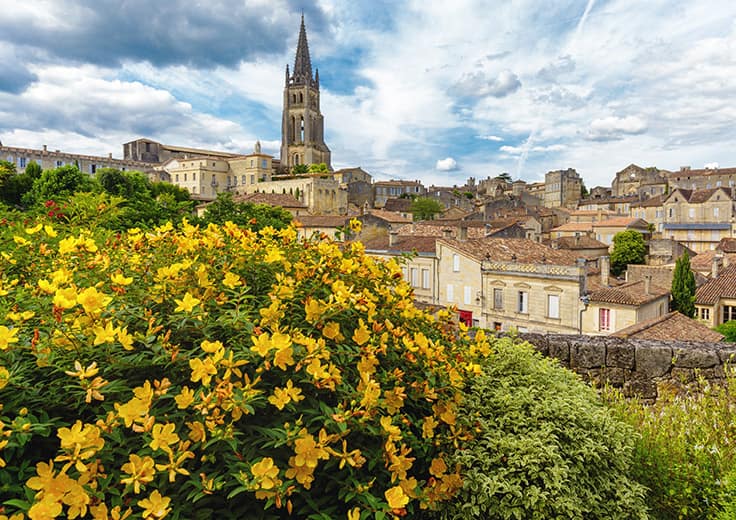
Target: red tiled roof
519	250
703	262
627	222
722	287
574	226
650	202
670	327
631	293
580	242
390	216
403	244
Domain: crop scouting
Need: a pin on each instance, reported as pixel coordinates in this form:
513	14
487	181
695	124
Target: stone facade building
562	188
302	127
385	190
640	182
699	218
702	179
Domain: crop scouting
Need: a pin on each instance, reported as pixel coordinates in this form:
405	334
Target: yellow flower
93	301
232	280
211	346
163	437
308	452
65	298
83	373
396	497
361	334
50	230
438	467
331	330
187	303
185	398
202	370
266	473
120	279
45	509
140	470
273	255
67	245
132	411
355	225
283	358
197	432
46	286
7	337
20	241
282	396
104	334
354	514
155	506
34	229
314	310
125	339
4	377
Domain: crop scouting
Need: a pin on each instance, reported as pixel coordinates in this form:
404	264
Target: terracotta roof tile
722	287
322	220
670	327
574	226
519	250
393	217
651	202
580	242
405	244
727	245
703	262
622	222
631	293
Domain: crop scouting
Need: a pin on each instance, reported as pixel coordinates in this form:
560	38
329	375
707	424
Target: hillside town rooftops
724	286
272	199
632	293
520	250
669	327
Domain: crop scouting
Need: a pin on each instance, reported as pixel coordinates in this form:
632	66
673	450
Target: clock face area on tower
302	128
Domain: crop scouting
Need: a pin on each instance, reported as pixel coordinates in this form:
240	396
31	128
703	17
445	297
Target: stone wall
638	367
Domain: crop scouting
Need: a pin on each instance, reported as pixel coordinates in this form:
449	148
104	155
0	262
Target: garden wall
638	367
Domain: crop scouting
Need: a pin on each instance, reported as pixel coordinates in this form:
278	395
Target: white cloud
711	166
518	150
614	128
446	165
490	138
479	84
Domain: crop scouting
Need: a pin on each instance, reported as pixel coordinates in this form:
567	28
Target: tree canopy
683	287
424	208
628	248
318	168
245	214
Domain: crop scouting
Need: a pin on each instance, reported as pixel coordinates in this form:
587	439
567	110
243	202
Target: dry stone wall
639	367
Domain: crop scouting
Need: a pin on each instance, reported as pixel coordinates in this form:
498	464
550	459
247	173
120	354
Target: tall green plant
683	287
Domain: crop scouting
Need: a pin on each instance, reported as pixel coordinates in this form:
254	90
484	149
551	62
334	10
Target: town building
672	326
605	230
639	182
562	188
702	179
715	301
699	218
386	190
279	200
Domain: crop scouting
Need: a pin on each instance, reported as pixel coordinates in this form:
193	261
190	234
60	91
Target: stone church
302	128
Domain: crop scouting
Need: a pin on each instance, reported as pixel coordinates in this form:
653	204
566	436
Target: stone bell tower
302	128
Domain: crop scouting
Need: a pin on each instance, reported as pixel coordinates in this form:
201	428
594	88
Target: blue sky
437	91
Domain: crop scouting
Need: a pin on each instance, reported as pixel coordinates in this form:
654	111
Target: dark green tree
505	176
683	287
628	248
34	170
424	208
584	193
59	183
728	329
299	169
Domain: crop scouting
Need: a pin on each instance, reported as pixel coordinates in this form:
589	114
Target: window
715	212
252	179
252	163
414	277
22	162
729	313
467	294
450	292
691	212
523	302
498	299
456	263
715	235
425	278
705	314
669	213
264	163
59	163
92	168
553	306
604	319
194	176
185	176
177	177
405	273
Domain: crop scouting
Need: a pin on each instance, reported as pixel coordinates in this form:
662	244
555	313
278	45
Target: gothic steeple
302	63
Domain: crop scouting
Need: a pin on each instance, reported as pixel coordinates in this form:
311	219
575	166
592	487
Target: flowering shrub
218	372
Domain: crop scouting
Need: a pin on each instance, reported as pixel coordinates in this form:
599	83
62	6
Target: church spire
302	63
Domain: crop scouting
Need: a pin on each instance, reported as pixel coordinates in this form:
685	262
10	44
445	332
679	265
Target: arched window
301	129
293	97
296	158
301	97
293	129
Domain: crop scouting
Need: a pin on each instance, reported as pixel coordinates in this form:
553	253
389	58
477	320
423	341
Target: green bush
545	445
685	451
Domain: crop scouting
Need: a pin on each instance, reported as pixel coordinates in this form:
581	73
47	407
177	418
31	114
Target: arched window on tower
301	97
296	158
292	130
293	98
301	129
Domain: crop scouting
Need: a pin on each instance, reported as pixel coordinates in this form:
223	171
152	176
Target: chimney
109	155
647	284
605	265
447	233
464	232
715	265
392	238
45	148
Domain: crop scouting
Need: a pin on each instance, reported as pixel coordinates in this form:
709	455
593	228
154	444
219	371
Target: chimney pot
715	266
392	238
447	233
647	284
45	148
605	265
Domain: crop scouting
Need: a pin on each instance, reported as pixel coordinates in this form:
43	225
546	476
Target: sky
416	89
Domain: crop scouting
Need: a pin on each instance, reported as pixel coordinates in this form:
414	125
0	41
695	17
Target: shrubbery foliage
545	445
218	372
